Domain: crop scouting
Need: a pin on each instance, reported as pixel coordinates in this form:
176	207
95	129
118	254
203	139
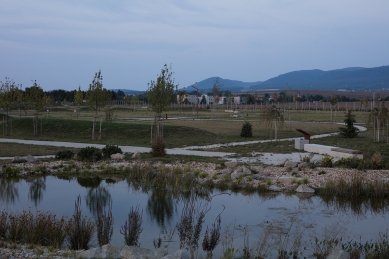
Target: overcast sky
62	43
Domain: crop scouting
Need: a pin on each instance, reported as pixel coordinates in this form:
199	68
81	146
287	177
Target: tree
98	97
379	116
272	115
349	131
10	95
333	102
78	99
216	93
36	100
134	100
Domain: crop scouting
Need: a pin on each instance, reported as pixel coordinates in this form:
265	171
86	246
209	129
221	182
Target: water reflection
161	206
92	182
36	189
8	191
356	206
96	197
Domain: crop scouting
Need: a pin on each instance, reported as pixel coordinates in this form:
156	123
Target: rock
305	189
117	156
282	163
136	155
75	157
274	188
30	159
289	164
180	254
88	254
304	165
231	164
246	171
258	177
109	251
225	172
134	252
338	254
160	252
18	159
235	175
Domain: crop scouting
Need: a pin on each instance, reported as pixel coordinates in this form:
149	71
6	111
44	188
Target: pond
244	217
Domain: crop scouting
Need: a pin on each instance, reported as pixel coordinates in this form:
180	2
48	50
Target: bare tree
10	94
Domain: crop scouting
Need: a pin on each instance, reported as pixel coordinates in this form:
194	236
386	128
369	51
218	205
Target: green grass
15	149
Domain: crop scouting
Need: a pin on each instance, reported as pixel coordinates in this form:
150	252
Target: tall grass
357	186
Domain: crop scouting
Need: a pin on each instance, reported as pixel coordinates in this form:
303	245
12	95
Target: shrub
158	147
109	150
90	154
65	154
327	161
247	130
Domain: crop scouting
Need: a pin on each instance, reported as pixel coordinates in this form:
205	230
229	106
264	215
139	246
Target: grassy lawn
15	149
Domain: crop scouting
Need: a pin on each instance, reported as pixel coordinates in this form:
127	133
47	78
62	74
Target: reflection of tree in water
92	182
95	196
8	191
37	187
160	206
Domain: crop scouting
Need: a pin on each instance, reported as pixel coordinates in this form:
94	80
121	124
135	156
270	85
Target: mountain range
351	78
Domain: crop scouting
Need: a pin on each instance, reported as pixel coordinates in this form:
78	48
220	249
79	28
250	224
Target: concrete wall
327	150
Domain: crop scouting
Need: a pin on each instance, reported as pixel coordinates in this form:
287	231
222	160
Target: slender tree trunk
93	128
100	128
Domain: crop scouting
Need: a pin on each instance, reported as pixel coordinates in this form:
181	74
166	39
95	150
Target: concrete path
125	149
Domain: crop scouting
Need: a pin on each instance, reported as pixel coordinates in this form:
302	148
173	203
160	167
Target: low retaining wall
332	151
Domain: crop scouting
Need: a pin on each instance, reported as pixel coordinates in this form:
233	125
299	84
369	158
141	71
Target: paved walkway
125	149
172	151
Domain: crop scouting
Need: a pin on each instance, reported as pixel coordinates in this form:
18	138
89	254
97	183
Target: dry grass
15	149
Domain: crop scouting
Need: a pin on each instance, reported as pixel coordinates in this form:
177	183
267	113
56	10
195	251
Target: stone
160	252
338	254
180	254
134	252
289	164
258	177
303	165
235	175
109	251
231	164
274	188
136	155
304	189
246	171
282	163
18	159
225	172
30	159
88	254
117	156
75	157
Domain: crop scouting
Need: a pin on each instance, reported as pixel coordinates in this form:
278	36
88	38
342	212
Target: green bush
90	154
327	161
247	130
109	150
65	154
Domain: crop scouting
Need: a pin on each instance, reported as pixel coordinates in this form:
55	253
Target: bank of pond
175	210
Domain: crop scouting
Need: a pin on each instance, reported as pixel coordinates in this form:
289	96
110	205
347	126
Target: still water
244	215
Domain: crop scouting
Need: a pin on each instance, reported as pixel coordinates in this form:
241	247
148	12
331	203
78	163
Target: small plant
249	179
214	176
65	154
289	169
90	154
11	171
102	166
197	172
133	227
293	181
227	177
247	130
104	224
212	237
305	180
203	175
109	150
268	182
322	172
327	161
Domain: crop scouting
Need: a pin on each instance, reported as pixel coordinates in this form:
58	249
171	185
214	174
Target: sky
62	43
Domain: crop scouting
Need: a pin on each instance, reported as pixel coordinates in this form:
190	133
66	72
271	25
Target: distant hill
352	78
